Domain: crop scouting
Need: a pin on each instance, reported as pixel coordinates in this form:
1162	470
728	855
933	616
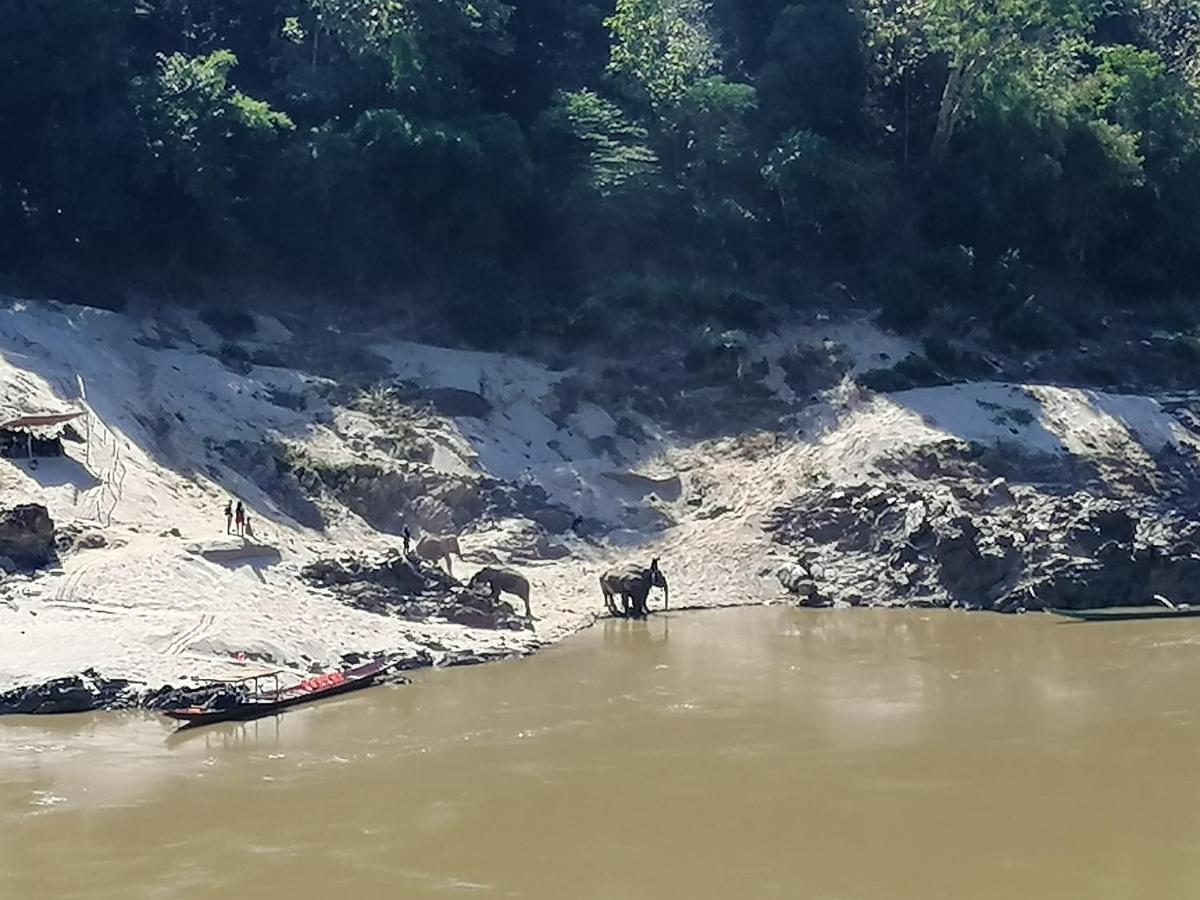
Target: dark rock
555	519
474	657
419	660
996	494
406	575
1101	527
797	579
910	541
458	403
91	540
74	693
27	535
1114	525
393	584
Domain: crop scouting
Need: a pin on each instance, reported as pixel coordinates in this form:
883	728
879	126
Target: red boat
241	699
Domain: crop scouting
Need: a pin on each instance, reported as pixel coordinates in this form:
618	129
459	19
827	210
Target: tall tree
977	37
660	47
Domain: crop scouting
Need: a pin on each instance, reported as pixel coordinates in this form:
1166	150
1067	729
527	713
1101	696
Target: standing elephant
503	581
435	549
633	584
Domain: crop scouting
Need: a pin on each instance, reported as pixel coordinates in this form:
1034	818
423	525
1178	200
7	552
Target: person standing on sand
407	539
246	529
240	517
229	517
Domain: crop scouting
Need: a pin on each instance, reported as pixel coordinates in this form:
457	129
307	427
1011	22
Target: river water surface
744	753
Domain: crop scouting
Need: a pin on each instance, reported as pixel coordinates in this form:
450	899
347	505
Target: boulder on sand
27	535
74	693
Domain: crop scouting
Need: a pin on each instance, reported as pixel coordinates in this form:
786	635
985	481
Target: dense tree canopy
543	158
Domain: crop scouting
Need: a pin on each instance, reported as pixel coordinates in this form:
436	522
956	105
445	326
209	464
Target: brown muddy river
745	753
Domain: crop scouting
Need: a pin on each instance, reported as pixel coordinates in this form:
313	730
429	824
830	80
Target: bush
914	371
1030	327
1185	348
953	360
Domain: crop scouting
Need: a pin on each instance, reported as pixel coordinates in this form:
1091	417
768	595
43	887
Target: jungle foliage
542	162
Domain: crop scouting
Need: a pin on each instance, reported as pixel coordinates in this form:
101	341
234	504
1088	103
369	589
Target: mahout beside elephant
501	581
632	584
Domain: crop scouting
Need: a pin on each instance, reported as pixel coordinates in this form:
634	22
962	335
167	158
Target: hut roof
44	420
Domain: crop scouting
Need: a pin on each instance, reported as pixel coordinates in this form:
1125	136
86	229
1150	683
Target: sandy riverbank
332	461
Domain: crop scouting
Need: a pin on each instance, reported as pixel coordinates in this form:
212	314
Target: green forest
549	162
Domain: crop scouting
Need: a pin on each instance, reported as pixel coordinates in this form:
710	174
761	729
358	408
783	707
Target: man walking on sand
229	517
240	517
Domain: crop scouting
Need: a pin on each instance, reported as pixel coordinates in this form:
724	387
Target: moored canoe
1128	613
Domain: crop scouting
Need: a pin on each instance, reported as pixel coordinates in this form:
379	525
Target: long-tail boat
1164	610
260	694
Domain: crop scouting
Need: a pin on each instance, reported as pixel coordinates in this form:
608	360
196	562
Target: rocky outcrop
991	546
27	535
394	584
392	571
75	693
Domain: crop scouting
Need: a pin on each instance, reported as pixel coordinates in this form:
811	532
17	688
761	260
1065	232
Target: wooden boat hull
1128	613
259	705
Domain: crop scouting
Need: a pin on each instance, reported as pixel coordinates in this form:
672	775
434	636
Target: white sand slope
153	479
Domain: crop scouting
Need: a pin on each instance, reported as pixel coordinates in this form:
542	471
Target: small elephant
633	584
435	549
502	581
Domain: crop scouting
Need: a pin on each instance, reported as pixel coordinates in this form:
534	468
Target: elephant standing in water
503	581
633	584
435	549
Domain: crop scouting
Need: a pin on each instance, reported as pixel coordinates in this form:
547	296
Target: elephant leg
609	604
625	604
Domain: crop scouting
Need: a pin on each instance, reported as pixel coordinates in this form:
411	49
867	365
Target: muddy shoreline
91	691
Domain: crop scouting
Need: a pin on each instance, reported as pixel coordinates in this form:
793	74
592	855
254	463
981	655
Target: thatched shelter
38	435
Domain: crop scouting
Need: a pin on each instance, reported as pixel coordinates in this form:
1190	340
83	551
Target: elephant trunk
666	595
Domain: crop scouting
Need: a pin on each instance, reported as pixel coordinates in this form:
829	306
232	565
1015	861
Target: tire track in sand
180	642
